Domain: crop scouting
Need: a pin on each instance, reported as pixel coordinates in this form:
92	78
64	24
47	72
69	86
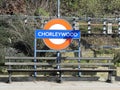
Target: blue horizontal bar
57	34
57	51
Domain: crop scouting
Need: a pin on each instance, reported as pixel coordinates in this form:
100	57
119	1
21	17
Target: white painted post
109	31
89	25
119	26
75	24
104	26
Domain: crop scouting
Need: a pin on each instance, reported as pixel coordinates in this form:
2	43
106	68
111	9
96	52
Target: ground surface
66	85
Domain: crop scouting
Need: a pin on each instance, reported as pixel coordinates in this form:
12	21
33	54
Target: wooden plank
26	63
29	58
61	70
90	58
63	64
86	64
64	58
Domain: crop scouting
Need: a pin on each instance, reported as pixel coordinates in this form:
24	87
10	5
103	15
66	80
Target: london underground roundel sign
57	43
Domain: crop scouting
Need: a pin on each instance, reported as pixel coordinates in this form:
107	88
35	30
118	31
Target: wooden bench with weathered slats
11	63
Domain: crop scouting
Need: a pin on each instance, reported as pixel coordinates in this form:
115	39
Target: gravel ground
66	85
28	83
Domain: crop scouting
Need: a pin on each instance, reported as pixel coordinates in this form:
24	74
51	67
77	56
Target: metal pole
35	67
79	55
58	66
58	53
58	8
58	59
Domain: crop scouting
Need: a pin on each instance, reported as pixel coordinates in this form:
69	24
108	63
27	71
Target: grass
118	71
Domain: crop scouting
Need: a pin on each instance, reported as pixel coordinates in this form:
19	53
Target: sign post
57	34
58	7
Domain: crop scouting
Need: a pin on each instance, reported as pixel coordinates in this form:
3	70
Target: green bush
41	12
116	59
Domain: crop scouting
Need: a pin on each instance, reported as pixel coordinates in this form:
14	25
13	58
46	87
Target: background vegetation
93	8
16	33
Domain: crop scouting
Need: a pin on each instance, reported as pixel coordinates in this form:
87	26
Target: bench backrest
65	61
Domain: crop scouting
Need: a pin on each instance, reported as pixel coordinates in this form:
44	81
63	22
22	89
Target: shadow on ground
51	79
117	78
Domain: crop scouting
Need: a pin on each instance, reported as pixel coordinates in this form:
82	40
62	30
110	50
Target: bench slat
29	58
60	70
64	58
25	63
63	64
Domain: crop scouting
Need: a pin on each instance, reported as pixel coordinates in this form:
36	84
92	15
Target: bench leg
10	80
79	74
109	80
59	80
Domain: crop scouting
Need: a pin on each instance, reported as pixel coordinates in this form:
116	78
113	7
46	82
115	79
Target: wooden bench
16	61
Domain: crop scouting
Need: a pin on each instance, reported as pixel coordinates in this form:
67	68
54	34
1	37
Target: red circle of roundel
51	44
